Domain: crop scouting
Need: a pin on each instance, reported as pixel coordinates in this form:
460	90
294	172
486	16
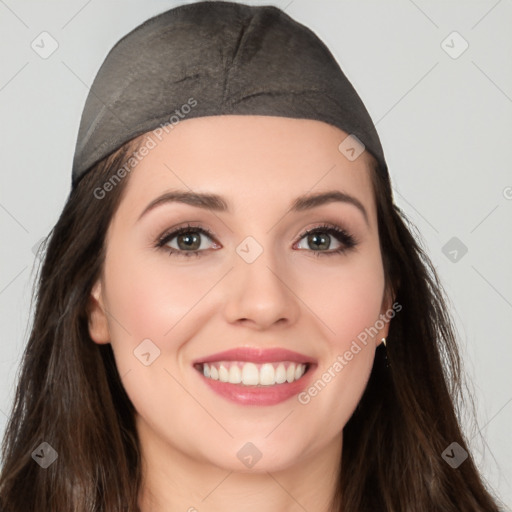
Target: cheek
346	297
348	303
148	297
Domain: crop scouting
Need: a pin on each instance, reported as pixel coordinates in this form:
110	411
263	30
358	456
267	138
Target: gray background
445	124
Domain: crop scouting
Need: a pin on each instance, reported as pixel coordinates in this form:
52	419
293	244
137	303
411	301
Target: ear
98	324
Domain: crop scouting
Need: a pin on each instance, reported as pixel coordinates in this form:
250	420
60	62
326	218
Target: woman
232	312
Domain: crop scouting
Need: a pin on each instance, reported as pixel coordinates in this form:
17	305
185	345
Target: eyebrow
218	204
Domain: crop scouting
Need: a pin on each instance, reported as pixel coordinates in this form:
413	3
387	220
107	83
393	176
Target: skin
196	306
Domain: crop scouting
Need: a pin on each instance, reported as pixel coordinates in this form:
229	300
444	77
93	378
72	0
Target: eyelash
341	235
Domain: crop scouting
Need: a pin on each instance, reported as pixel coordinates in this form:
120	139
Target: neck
172	480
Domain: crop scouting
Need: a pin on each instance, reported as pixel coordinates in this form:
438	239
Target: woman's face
167	303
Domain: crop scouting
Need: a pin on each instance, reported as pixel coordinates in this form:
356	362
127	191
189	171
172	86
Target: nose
261	294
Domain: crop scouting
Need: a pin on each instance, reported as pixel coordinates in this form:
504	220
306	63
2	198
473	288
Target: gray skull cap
225	58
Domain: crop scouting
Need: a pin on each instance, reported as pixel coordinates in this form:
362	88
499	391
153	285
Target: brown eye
188	241
319	240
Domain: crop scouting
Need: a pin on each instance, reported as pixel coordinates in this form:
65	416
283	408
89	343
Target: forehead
253	161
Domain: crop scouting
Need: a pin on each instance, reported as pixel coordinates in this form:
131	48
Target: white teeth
290	373
267	375
280	374
223	373
251	374
235	374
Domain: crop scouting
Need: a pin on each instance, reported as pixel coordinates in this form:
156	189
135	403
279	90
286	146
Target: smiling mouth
253	374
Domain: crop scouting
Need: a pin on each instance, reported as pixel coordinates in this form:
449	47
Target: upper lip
257	355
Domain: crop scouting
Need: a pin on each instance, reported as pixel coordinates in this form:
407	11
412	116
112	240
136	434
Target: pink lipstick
256	376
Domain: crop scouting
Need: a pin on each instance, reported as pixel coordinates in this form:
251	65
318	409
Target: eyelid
171	233
343	236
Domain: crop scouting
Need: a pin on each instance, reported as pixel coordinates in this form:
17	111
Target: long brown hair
407	417
70	394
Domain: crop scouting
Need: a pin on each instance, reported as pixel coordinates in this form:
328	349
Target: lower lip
259	395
